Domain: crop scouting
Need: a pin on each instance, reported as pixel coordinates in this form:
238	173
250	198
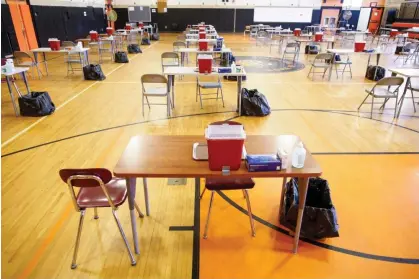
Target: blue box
263	163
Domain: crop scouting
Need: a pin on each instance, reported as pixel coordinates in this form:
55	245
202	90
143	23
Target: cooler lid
225	131
204	56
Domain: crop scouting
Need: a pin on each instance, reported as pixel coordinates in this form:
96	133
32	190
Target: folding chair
24	59
154	85
323	61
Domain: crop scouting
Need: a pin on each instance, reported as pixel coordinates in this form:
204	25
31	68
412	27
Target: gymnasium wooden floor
372	166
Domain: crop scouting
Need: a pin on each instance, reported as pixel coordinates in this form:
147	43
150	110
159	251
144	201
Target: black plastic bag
121	57
399	49
234	78
311	49
93	72
375	73
145	41
319	218
254	103
36	104
134	48
155	36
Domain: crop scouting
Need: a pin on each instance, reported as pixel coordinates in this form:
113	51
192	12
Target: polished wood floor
372	166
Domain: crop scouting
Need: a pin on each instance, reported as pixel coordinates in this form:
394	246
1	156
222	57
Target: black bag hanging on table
155	36
121	57
378	71
398	49
36	104
93	72
254	103
145	41
319	218
134	48
311	49
234	78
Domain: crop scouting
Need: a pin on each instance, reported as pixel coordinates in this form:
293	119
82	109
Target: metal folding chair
154	85
24	59
323	61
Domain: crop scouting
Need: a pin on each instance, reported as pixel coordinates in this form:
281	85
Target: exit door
375	19
23	25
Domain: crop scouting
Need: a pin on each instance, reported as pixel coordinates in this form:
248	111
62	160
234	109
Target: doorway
375	19
329	17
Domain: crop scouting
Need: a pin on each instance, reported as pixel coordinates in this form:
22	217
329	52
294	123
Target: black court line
364	153
181	228
320	244
196	231
198	114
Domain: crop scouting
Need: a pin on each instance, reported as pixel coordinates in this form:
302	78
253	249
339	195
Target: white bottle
299	156
233	67
283	155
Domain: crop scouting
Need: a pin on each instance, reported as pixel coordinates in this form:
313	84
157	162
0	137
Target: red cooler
94	36
318	37
203	45
201	28
54	44
297	32
109	31
128	26
359	46
225	148
202	35
393	33
140	24
205	63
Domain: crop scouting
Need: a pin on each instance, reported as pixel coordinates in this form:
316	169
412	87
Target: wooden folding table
171	156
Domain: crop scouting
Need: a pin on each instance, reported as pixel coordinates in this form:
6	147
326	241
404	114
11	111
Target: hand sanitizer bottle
299	156
233	67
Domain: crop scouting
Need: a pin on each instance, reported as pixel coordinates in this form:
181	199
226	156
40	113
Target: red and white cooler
205	63
393	33
225	146
297	32
54	43
203	45
109	31
127	26
202	35
318	37
201	28
140	24
359	46
94	36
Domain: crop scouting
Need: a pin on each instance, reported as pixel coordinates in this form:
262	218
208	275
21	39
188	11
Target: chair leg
96	215
372	106
350	70
208	216
202	194
148	103
140	214
249	211
76	247
200	96
363	101
244	194
142	103
222	96
413	99
133	262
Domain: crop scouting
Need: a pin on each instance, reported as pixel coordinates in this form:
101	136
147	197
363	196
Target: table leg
302	192
239	92
403	95
26	82
45	62
173	91
284	182
86	53
131	187
11	94
147	204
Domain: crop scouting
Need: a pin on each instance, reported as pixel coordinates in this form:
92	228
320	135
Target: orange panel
28	23
18	25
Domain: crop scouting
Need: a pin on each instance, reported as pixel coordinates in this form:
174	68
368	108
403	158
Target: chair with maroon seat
97	189
227	184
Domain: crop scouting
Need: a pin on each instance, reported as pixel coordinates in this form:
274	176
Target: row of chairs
98	189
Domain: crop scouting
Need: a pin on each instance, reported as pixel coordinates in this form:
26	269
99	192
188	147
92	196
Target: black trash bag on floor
155	36
145	41
134	48
121	57
93	72
36	104
254	103
319	218
378	71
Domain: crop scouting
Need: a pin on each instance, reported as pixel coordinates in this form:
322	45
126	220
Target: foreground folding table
171	156
10	81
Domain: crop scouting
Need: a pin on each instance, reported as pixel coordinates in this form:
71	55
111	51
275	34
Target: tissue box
263	163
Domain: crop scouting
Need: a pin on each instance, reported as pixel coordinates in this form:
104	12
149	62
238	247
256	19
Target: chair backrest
95	177
172	55
410	46
178	44
68	44
324	56
390	81
21	55
153	78
263	34
181	37
293	45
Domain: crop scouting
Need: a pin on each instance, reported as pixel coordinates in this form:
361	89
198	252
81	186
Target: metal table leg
302	191
11	94
45	62
26	82
239	90
131	187
147	203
